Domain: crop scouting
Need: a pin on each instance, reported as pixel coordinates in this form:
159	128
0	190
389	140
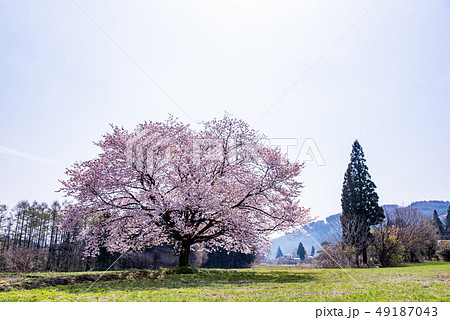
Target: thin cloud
15	153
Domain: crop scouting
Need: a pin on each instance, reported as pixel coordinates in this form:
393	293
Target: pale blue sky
386	82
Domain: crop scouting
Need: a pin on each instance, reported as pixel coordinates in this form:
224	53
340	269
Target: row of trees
367	234
29	225
30	238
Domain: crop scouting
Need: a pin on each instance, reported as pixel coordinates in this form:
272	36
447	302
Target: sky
328	72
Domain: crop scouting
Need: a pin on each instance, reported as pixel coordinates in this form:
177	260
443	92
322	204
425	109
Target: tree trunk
184	254
364	254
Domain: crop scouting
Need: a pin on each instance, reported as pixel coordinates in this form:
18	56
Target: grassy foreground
417	282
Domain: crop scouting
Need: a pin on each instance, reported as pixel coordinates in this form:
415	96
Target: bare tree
386	247
335	252
416	233
23	259
406	235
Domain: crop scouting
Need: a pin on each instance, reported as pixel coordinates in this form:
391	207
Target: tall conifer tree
438	224
301	252
360	209
447	225
279	253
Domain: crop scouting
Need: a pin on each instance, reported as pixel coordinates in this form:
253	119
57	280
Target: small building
288	259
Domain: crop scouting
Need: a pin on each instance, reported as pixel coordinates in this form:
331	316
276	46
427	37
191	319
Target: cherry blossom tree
165	183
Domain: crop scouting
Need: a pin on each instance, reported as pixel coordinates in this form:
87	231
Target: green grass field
417	282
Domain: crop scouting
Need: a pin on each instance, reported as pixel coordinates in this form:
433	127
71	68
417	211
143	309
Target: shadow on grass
185	281
418	265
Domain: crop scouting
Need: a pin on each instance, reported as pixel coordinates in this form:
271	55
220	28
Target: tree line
30	238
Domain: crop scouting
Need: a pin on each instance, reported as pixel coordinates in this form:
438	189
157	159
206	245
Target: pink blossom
165	183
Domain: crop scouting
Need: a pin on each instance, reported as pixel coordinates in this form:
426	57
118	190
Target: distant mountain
317	232
321	230
427	207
